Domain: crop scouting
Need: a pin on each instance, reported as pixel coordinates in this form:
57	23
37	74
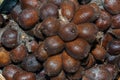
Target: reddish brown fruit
50	26
104	21
98	73
24	76
87	31
41	53
18	54
32	46
78	48
9	71
67	10
48	9
4	57
116	21
10	38
86	13
99	53
60	76
28	18
70	64
29	3
53	45
53	65
112	6
68	32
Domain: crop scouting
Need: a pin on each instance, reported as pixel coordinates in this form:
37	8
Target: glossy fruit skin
70	64
99	53
112	6
18	54
24	76
41	53
116	21
78	48
60	76
87	31
9	38
50	26
47	10
104	21
67	10
28	18
98	73
53	65
9	71
68	32
31	64
53	45
29	3
4	57
114	47
86	13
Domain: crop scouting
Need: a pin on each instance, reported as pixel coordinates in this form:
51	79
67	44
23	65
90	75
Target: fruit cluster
61	40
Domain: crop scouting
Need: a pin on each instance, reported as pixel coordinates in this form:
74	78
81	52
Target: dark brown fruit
41	54
16	11
31	64
77	75
18	54
99	53
4	57
78	48
87	31
29	3
53	45
70	64
104	21
53	65
28	18
68	32
9	38
67	10
112	59
116	21
47	10
114	47
112	69
50	26
24	76
84	1
112	6
98	73
9	71
41	75
60	76
85	13
1	20
56	2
